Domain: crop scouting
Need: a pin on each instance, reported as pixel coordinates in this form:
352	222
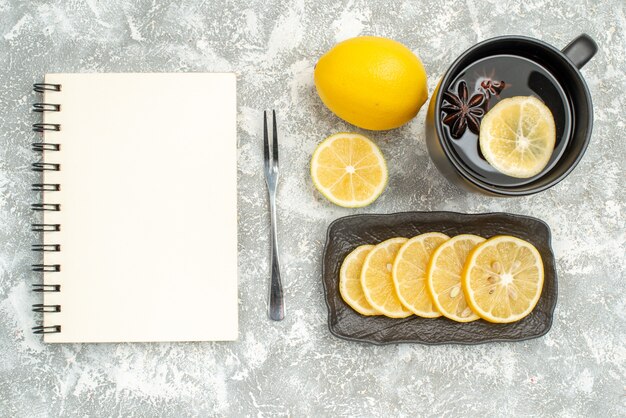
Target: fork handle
277	302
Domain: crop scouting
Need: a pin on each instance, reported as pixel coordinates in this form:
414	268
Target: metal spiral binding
46	167
40	307
40	167
41	207
40	287
45	227
46	107
46	187
42	87
40	127
46	247
52	329
45	146
47	268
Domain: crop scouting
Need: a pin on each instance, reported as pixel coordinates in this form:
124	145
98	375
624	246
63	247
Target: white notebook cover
148	207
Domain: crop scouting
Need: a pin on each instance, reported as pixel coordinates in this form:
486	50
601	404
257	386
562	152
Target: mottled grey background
296	367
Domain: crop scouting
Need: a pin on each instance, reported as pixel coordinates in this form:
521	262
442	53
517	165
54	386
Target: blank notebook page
148	195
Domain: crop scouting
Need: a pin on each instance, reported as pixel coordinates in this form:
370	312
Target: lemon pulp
349	170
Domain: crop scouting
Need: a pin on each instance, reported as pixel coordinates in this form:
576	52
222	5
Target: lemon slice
349	170
503	279
377	281
350	281
444	277
517	136
409	273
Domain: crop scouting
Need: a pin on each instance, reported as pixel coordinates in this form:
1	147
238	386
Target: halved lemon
444	277
377	281
517	136
349	170
503	279
350	281
409	273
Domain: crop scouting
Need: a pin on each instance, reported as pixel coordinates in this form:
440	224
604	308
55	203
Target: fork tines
270	163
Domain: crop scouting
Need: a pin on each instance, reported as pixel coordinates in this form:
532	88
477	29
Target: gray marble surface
296	367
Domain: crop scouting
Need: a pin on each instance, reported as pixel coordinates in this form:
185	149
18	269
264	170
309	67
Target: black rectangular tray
345	234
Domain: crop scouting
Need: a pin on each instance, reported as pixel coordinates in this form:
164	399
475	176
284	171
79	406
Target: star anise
492	87
462	113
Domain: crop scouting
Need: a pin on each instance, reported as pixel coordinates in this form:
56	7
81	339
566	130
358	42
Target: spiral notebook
138	233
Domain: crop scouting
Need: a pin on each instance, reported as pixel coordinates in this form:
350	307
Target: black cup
564	66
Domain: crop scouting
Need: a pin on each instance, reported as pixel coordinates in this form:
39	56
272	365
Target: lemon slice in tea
517	136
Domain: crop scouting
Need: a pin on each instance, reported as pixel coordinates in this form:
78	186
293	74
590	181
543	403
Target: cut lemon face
349	170
517	136
444	277
409	273
503	279
377	281
350	281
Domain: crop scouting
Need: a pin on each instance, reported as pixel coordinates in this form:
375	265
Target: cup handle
581	50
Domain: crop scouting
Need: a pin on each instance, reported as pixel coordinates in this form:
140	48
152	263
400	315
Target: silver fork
276	303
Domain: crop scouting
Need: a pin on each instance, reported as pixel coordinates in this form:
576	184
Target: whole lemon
371	82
